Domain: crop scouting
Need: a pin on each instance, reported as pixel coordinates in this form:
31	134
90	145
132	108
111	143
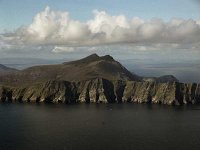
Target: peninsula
94	79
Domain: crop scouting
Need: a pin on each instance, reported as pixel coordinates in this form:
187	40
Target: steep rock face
51	91
163	93
5	94
97	90
104	91
119	87
150	92
188	93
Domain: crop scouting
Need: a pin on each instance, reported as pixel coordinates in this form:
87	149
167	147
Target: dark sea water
99	127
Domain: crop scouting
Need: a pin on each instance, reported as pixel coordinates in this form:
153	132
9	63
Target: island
93	79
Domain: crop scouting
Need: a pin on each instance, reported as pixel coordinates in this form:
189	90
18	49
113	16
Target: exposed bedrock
100	90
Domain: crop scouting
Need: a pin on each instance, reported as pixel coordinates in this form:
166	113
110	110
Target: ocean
99	127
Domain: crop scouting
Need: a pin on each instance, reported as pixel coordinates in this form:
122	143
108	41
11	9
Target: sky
152	32
14	14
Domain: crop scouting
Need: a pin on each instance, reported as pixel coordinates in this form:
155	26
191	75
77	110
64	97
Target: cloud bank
57	30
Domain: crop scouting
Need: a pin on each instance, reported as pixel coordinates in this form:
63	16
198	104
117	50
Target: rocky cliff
93	79
101	90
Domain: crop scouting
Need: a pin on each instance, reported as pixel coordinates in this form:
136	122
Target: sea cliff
101	90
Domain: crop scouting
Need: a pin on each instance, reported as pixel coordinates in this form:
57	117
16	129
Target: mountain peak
107	57
94	66
94	55
91	58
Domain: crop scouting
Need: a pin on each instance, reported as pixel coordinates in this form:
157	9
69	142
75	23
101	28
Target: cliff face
100	90
162	93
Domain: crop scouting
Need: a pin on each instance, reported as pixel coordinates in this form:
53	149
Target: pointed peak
95	57
92	56
107	57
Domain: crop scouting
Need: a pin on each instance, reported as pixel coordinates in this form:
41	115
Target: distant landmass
93	79
4	69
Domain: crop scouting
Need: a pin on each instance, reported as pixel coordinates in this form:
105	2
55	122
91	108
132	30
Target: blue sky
15	13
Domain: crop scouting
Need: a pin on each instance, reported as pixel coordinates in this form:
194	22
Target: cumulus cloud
59	49
64	34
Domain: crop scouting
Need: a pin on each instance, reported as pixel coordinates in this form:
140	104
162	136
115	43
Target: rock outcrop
101	90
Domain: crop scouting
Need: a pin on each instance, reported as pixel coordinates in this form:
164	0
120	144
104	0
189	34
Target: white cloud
57	29
54	27
58	49
104	23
